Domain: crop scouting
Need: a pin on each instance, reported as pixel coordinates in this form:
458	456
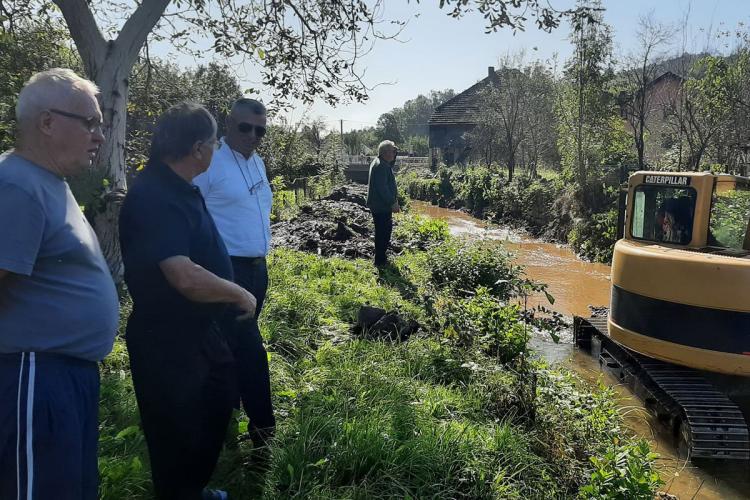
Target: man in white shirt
238	197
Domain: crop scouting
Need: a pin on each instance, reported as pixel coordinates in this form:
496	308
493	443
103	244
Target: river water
575	285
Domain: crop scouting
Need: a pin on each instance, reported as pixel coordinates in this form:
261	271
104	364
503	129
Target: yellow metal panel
682	276
693	357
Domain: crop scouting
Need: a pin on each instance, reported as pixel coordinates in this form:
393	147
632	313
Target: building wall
663	98
449	140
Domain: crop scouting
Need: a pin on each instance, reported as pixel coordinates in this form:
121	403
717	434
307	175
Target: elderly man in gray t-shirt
58	304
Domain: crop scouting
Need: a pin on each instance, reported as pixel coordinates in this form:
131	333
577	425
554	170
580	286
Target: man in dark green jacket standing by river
381	198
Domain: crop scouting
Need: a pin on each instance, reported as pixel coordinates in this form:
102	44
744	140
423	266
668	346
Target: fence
358	166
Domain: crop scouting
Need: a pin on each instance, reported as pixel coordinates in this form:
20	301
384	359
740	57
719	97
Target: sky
437	52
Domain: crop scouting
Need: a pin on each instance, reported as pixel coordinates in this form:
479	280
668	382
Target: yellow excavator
678	326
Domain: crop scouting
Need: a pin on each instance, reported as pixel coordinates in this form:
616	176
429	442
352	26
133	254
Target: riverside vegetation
545	206
460	410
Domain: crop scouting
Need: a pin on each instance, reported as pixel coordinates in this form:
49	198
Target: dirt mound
338	225
355	193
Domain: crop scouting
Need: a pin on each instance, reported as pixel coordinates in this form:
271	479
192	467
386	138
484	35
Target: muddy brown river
575	285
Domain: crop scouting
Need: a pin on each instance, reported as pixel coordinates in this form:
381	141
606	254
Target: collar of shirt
171	179
229	152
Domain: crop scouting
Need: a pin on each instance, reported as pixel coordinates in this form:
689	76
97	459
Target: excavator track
708	423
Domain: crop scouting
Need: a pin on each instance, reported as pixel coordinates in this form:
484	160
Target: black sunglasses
90	122
246	128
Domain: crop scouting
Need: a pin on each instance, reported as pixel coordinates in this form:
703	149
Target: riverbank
576	285
457	410
546	208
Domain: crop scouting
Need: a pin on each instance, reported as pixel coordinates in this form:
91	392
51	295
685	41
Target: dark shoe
209	494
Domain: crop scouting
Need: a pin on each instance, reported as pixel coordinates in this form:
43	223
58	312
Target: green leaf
550	298
127	431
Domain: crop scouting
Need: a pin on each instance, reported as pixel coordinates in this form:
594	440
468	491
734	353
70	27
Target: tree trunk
511	165
108	63
113	83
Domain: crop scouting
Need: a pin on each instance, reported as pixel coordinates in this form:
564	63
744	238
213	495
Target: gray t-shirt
60	297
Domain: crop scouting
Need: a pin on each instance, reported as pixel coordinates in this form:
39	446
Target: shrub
462	267
624	472
484	323
419	231
594	238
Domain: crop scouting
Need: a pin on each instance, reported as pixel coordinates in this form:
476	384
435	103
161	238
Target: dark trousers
254	378
383	229
48	426
184	380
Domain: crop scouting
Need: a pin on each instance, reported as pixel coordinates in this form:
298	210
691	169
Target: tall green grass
438	416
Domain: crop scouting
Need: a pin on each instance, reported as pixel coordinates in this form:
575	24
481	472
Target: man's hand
200	285
247	303
395	208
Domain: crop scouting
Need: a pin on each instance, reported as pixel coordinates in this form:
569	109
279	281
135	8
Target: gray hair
251	105
46	90
386	144
179	128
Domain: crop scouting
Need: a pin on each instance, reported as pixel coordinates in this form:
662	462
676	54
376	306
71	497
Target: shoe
209	494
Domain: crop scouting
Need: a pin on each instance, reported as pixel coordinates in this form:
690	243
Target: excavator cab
681	273
671	209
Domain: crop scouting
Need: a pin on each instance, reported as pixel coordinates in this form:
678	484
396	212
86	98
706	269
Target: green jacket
381	186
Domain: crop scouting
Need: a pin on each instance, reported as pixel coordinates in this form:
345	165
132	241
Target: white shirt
238	197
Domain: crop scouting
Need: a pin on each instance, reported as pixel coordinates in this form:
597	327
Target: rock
376	323
368	316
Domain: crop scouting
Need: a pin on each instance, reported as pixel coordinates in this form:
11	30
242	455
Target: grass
439	416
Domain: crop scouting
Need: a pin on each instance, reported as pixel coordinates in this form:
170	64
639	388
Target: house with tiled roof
451	121
662	99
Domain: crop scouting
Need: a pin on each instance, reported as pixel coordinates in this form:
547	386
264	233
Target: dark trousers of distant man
49	426
185	385
254	379
383	229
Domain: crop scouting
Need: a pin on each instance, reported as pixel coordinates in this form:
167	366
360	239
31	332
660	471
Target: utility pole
341	147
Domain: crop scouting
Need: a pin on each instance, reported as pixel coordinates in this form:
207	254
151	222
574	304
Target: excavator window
663	214
730	213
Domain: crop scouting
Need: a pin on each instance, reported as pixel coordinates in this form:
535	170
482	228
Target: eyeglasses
246	128
92	123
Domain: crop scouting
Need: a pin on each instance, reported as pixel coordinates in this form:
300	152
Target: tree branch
85	32
133	35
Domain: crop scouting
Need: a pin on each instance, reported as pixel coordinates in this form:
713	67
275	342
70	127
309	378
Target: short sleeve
22	222
153	232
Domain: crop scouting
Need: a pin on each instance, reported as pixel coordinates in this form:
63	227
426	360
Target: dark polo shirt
164	216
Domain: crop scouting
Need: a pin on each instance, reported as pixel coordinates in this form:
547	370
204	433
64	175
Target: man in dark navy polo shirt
179	274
